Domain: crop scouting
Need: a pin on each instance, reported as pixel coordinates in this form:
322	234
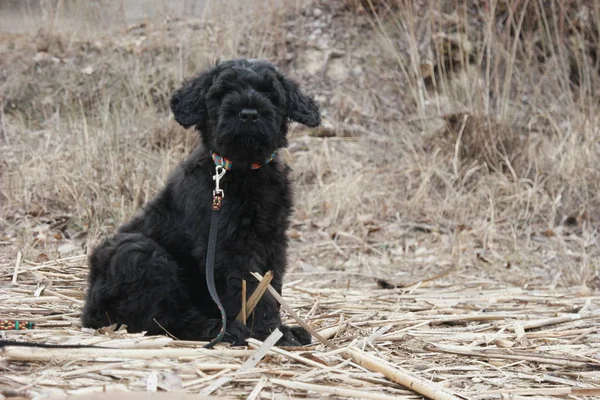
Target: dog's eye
266	87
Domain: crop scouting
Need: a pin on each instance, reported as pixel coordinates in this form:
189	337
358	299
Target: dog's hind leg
135	282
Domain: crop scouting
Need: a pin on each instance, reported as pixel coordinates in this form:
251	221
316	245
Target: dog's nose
249	115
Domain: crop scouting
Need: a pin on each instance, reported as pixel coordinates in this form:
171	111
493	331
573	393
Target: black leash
210	256
222	165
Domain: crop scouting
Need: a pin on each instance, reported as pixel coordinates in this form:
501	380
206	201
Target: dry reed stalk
122	395
215	366
206	378
338	391
16	270
332	331
556	391
255	393
256	296
289	354
516	355
88	391
557	320
582	335
16	353
401	376
243	311
249	363
143	342
54	293
293	314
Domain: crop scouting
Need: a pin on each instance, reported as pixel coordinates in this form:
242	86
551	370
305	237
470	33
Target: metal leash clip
218	193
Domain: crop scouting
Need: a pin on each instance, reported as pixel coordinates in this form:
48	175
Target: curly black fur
150	274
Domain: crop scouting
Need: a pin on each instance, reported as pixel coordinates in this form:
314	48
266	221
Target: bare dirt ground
446	217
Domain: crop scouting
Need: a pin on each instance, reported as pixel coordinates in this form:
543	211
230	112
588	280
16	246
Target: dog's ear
188	102
301	108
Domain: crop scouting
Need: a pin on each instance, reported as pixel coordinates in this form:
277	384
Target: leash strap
210	256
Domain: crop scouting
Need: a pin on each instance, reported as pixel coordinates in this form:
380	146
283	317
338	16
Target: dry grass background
478	118
460	142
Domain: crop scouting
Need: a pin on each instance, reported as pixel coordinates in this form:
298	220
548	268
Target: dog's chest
255	211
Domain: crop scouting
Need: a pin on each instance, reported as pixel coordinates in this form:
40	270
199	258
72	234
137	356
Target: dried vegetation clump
447	116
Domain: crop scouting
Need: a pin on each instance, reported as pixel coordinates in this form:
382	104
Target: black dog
150	275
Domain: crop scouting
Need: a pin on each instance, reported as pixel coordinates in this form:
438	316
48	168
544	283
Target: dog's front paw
236	333
301	335
293	336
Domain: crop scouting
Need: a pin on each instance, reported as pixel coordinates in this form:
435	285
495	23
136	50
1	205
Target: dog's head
242	108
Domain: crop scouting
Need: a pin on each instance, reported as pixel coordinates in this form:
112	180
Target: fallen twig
339	391
249	363
255	297
17	353
401	376
293	314
557	320
255	393
564	361
17	265
555	391
290	355
243	311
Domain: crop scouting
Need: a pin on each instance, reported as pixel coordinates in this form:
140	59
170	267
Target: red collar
228	164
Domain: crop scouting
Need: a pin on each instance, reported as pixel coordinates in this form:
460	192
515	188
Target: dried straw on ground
478	341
